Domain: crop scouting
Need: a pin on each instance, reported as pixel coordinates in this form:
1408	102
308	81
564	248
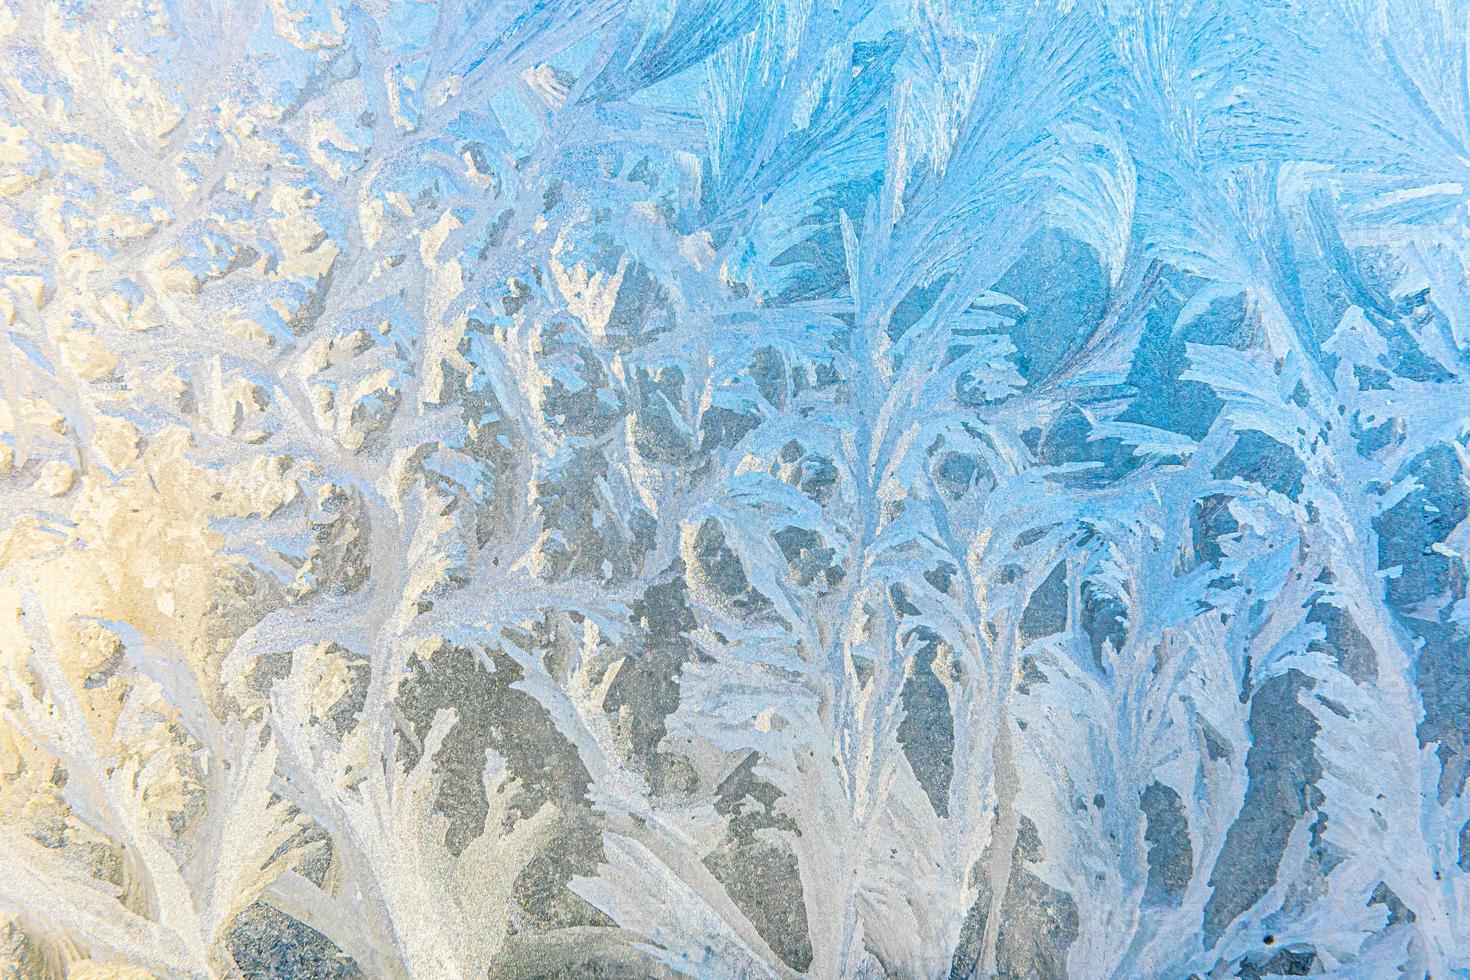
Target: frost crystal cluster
734	488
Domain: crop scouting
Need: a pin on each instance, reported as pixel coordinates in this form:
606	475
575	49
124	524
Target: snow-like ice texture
734	488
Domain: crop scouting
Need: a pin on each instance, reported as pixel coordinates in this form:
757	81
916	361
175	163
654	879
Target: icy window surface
734	488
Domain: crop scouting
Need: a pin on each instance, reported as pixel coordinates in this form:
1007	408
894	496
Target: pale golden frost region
734	489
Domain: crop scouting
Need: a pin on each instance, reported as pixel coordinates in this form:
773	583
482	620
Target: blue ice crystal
735	488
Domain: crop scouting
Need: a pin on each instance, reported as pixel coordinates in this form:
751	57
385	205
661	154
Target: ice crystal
734	488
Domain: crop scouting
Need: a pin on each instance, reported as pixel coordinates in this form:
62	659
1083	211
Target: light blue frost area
740	488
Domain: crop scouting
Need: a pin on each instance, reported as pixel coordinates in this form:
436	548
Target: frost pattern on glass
734	488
